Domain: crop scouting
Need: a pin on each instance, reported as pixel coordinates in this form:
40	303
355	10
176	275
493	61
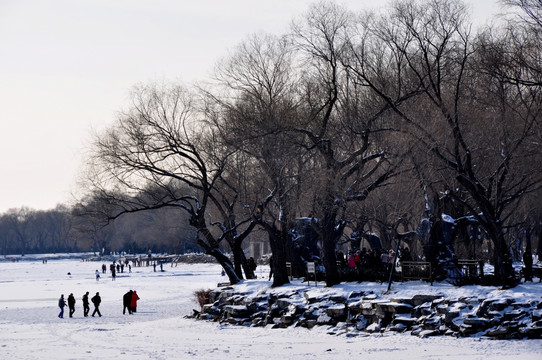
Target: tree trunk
278	242
249	274
222	259
237	258
330	262
329	240
504	270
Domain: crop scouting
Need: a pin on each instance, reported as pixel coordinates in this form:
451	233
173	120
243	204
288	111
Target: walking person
96	300
113	274
127	302
61	304
71	304
97	275
133	303
86	308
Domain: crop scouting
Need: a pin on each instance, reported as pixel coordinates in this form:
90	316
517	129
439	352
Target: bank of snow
355	309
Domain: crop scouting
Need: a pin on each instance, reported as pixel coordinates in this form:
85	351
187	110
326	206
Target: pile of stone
196	258
360	312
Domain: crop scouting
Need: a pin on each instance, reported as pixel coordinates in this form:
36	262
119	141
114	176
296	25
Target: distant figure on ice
113	274
104	268
133	303
96	300
97	275
61	304
86	308
71	304
127	302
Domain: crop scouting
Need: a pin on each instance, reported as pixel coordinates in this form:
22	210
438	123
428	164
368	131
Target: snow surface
30	328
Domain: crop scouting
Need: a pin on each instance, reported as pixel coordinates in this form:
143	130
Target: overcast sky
66	68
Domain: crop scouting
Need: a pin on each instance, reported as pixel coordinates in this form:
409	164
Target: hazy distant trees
26	230
74	229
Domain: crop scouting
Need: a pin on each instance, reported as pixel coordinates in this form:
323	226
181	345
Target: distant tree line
404	126
67	230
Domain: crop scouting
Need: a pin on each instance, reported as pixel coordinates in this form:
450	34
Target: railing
416	270
471	269
535	271
289	270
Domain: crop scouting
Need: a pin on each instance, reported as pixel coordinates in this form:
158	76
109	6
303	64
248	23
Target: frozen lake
30	328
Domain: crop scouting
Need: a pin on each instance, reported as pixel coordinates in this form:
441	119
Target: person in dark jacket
61	304
96	300
127	302
341	259
71	304
133	303
86	308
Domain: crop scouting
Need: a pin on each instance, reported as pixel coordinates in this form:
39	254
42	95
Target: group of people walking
375	259
96	300
129	301
114	268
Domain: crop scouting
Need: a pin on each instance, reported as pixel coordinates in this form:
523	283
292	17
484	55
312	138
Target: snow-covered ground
30	328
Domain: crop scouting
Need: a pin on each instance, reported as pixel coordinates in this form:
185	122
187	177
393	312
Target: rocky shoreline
363	312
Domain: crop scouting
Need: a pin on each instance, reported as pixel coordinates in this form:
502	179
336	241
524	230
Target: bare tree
254	103
530	11
342	122
158	154
17	221
433	56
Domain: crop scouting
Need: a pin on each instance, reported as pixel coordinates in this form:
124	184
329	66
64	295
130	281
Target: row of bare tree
25	230
71	229
352	120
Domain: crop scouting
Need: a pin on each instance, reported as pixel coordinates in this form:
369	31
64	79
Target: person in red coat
133	304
